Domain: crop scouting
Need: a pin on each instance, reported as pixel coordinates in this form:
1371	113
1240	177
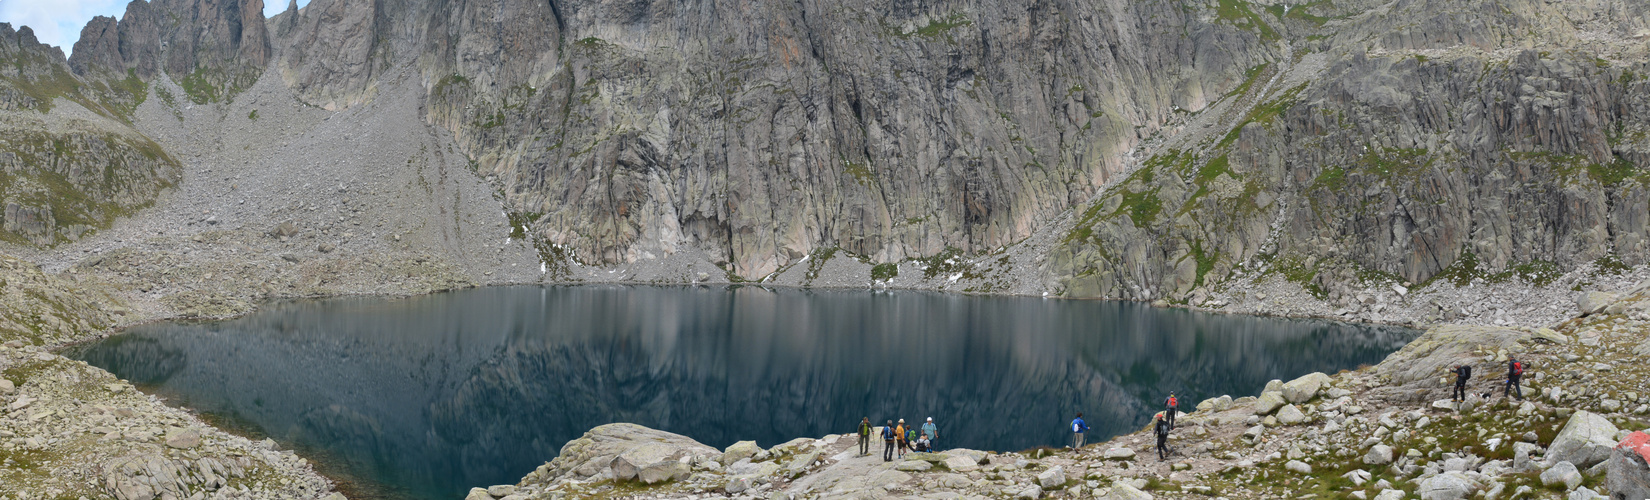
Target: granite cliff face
760	133
1410	142
1331	144
69	164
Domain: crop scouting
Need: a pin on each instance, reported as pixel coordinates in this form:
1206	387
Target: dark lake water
425	397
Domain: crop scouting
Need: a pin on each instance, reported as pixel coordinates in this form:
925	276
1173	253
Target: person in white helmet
930	431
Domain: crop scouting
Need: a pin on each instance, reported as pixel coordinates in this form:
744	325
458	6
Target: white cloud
58	22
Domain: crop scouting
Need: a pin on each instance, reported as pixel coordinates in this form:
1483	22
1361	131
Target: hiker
1160	426
1462	373
865	436
1078	427
923	444
1173	408
888	441
1515	371
899	438
930	431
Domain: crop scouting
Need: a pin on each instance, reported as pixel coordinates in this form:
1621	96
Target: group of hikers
902	438
1515	372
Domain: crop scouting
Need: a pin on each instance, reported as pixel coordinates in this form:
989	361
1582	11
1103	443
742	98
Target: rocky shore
1385	432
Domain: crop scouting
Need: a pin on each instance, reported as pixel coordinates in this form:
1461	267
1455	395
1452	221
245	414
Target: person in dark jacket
865	436
1515	371
1462	373
1161	429
888	441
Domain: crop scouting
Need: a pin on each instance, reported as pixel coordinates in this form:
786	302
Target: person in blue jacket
888	441
1078	427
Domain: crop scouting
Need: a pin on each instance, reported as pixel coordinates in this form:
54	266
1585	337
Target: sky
58	22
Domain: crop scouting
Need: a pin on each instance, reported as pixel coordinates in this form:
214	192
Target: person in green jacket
865	437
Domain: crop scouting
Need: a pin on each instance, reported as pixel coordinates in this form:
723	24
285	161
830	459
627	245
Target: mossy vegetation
884	271
1239	13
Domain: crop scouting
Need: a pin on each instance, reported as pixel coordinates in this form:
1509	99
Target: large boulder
959	463
913	466
478	494
670	470
1586	440
739	451
626	449
1424	361
1290	415
1593	302
1054	478
1222	403
1379	454
1628	475
1306	387
1269	402
1121	453
1447	486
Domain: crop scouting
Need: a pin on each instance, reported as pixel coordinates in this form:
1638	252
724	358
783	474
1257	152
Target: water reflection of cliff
443	392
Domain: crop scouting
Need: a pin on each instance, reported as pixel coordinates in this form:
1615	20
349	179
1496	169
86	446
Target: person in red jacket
1173	408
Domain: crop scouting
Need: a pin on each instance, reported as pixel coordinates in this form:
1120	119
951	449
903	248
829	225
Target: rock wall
1445	150
68	166
761	132
214	48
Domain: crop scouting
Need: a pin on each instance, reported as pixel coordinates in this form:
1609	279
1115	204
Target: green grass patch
1617	171
1264	113
1612	265
1238	13
1142	207
884	271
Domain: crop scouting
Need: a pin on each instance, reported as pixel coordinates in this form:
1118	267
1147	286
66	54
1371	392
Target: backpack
911	434
1518	368
887	432
1076	426
1173	402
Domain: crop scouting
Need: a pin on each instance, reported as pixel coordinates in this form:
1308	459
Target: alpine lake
425	397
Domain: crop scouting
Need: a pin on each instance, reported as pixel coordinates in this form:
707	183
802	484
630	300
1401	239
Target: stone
1290	415
1379	454
960	464
737	485
183	439
1124	491
7	387
740	451
1253	434
478	494
667	470
501	490
1584	493
1119	454
979	457
1447	486
1444	404
1628	472
1032	492
1564	473
1594	302
932	458
913	466
1585	440
1358	477
1521	456
1054	478
1298	467
1221	403
1304	388
1269	402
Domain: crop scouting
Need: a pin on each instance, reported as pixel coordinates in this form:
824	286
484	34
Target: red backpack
1518	368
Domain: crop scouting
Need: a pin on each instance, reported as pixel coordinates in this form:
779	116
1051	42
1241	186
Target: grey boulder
1586	440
